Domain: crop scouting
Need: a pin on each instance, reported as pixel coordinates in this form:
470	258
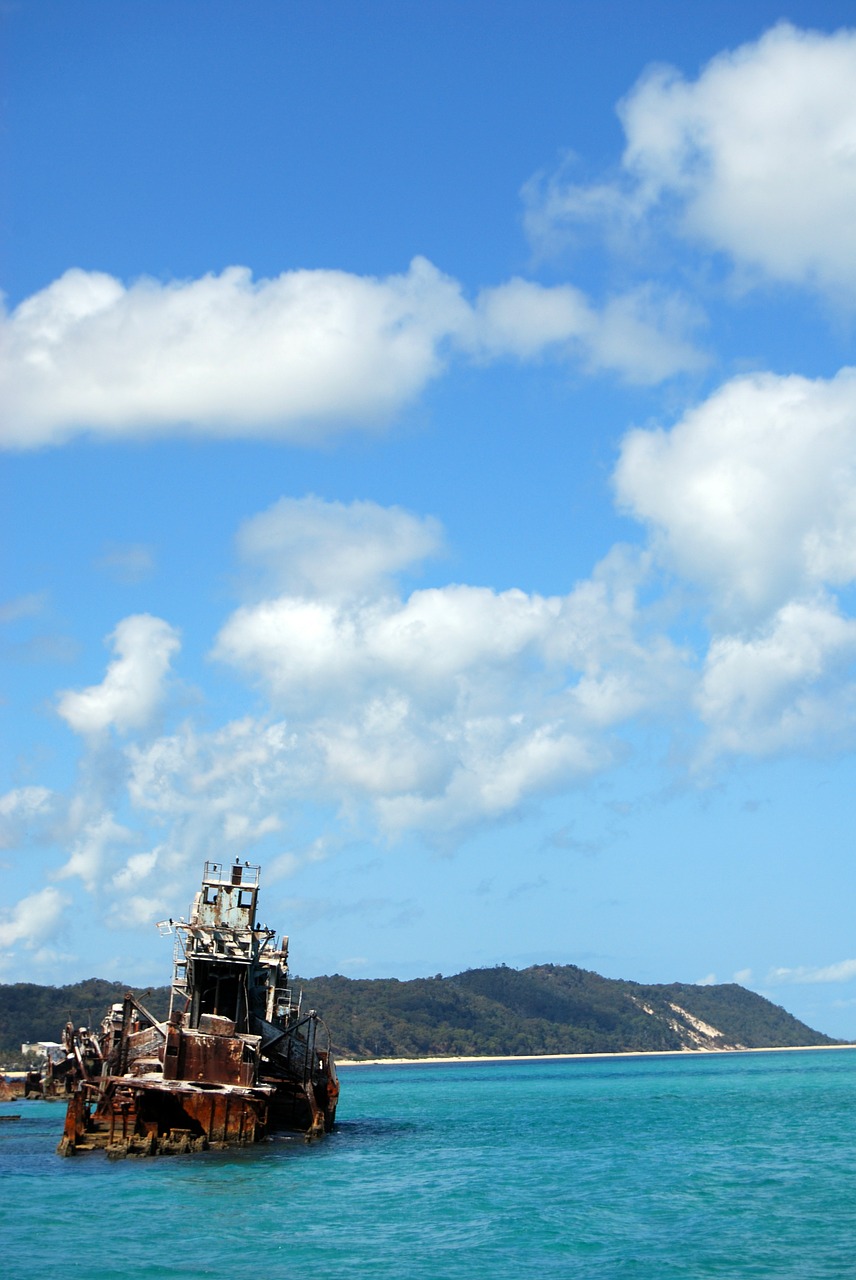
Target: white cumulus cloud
224	355
755	158
751	499
752	493
295	358
133	686
432	710
789	685
449	703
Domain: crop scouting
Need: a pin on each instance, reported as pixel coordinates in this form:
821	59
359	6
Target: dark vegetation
29	1012
543	1009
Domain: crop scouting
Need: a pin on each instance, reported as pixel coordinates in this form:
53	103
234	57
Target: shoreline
582	1057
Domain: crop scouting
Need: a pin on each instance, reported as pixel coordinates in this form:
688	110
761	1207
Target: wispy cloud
32	919
842	971
127	564
28	606
27	815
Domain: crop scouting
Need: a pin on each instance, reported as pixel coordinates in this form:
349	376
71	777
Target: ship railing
244	874
284	1004
179	990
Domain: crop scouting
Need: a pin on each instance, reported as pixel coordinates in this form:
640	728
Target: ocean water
654	1168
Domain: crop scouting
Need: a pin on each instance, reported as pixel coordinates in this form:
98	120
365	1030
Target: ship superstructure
237	1059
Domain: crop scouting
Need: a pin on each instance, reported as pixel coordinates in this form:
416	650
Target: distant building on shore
50	1050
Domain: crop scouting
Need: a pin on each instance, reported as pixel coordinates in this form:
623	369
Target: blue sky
429	457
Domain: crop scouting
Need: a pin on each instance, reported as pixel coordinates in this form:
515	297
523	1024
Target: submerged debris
237	1058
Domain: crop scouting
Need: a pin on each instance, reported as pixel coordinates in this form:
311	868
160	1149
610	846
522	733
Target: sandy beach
568	1057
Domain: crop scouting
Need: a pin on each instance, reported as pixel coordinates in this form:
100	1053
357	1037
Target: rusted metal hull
137	1117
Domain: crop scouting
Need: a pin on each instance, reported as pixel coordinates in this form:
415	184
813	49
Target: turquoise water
646	1168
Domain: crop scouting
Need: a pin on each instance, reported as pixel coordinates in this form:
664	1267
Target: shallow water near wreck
646	1168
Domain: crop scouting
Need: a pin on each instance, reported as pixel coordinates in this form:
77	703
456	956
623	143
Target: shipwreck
237	1060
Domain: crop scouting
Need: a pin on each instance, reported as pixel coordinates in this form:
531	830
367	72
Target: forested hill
542	1009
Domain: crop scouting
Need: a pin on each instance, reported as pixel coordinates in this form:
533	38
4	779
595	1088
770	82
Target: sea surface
650	1168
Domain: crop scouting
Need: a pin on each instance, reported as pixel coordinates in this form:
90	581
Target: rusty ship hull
237	1060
